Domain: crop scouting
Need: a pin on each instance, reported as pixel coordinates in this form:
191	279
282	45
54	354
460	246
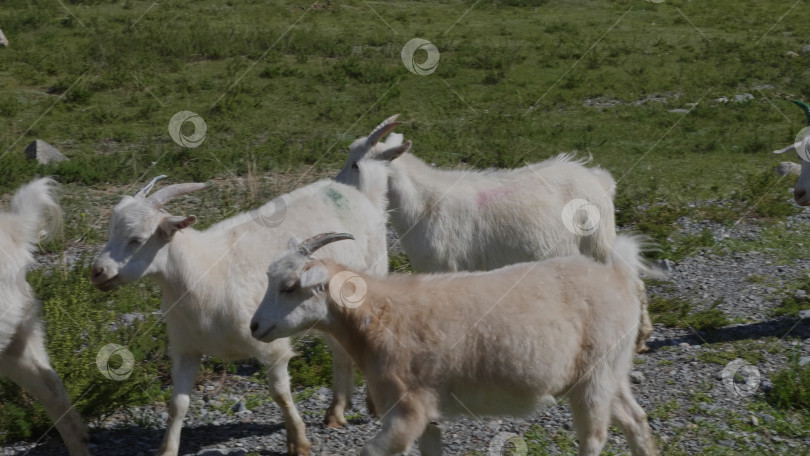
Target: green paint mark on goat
336	197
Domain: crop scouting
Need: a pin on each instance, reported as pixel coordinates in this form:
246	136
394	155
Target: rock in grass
43	152
636	377
3	39
804	314
804	360
788	168
743	97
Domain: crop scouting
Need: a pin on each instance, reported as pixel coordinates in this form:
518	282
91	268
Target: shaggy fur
23	358
453	220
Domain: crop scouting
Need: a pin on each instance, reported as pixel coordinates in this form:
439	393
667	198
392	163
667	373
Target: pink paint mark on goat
493	195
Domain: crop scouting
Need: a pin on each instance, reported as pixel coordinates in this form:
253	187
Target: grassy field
285	86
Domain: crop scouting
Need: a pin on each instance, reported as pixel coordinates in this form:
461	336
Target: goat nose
97	272
798	193
254	326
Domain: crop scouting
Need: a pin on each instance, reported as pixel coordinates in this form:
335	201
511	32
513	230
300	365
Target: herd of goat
529	298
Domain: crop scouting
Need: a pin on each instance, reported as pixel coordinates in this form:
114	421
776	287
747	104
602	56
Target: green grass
676	312
791	385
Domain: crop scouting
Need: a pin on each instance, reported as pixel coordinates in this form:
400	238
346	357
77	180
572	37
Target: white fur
500	342
23	358
213	280
481	220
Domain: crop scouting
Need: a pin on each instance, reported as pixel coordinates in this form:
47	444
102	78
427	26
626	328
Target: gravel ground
679	382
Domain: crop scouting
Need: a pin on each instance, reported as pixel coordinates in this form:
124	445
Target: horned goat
801	191
482	220
23	358
212	282
561	328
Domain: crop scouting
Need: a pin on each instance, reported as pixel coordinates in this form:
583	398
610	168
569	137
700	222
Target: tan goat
499	342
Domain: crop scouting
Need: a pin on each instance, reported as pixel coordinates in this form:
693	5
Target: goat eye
134	242
287	289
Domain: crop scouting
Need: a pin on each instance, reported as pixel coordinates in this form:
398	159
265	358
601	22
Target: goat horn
165	194
805	108
148	187
309	246
387	125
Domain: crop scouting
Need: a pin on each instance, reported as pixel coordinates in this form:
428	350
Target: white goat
212	282
486	343
23	358
483	220
801	191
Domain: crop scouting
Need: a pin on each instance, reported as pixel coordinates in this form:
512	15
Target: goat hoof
642	348
333	421
299	449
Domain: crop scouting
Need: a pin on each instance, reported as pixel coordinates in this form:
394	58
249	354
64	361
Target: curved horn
309	246
387	125
165	194
148	187
805	108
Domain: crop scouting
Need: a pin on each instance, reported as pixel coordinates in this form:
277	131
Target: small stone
678	110
164	416
791	54
754	420
804	360
767	418
806	49
728	443
722	100
804	314
636	377
765	386
789	168
665	265
684	345
130	318
222	452
239	407
43	152
743	97
801	293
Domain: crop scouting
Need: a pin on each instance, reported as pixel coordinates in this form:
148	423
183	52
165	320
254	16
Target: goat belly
493	402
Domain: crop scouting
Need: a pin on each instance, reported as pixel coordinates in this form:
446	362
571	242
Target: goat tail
627	255
35	203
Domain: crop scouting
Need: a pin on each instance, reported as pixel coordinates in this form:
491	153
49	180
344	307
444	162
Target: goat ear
172	224
786	149
393	153
293	243
314	274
